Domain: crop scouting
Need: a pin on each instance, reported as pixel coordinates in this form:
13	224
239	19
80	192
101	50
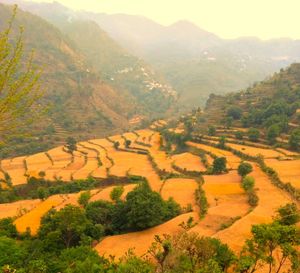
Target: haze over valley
134	140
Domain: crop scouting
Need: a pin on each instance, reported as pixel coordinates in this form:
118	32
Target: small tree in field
84	198
71	145
116	193
19	86
127	143
248	183
244	169
253	134
116	145
294	140
219	165
222	142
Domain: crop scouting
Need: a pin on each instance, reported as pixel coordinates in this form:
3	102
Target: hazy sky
227	18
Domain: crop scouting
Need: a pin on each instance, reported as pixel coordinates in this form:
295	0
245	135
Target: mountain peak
185	26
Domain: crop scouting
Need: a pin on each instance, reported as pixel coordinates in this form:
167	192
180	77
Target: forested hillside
271	107
82	99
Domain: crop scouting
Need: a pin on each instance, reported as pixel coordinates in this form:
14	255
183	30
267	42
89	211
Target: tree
219	165
19	84
127	143
239	135
248	183
65	226
261	248
211	130
273	133
234	112
288	214
84	198
222	142
244	168
116	145
116	193
71	145
100	213
143	208
253	134
294	140
11	252
8	228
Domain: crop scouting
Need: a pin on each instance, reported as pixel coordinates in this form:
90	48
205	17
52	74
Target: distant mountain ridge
92	88
194	61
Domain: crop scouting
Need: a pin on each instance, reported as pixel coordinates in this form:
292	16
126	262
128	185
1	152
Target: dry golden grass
68	172
139	241
32	219
90	166
100	172
270	199
145	136
288	171
182	190
18	208
37	163
105	193
16	170
61	160
287	152
253	151
72	199
189	162
232	160
133	137
226	200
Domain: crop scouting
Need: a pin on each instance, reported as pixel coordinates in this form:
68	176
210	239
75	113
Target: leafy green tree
228	122
222	142
239	135
272	133
71	145
116	145
12	253
234	112
219	165
267	238
81	259
42	193
116	193
19	84
253	134
84	198
127	143
143	208
66	226
8	228
211	131
133	264
294	140
288	214
244	168
248	183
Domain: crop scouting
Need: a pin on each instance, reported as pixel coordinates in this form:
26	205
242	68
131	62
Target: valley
229	217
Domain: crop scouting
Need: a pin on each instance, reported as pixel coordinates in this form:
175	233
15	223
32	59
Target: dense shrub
244	168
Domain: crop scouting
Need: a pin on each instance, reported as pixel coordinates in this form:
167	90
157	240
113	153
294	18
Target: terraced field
15	168
229	216
232	160
288	170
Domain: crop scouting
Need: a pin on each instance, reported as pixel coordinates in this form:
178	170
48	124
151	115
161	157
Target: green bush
244	168
248	183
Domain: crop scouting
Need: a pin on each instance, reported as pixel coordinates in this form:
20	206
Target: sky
227	18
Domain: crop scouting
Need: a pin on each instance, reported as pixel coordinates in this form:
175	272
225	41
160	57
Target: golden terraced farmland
98	158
